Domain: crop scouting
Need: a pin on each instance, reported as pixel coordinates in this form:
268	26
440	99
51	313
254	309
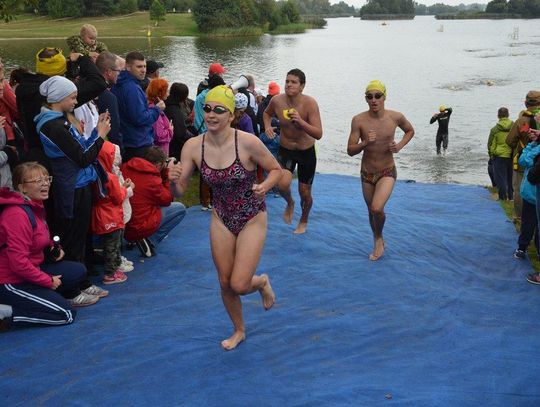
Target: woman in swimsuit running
227	159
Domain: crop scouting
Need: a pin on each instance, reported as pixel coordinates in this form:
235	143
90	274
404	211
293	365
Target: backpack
30	214
249	110
162	130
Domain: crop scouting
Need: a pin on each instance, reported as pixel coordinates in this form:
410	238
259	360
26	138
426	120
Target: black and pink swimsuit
234	201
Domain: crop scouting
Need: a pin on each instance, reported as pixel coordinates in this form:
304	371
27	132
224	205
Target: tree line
254	9
525	8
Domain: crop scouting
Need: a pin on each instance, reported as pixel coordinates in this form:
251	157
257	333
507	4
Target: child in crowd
155	213
125	265
86	43
158	90
108	217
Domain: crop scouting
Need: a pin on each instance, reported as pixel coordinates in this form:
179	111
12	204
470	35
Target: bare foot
301	228
267	293
234	340
288	214
378	251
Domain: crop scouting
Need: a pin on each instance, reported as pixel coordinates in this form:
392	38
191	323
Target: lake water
473	66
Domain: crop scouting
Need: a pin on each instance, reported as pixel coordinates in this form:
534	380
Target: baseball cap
153	66
216	68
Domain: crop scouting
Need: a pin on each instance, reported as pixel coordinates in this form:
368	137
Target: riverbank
135	25
131	25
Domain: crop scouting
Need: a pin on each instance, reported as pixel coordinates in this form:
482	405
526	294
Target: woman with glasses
227	159
33	277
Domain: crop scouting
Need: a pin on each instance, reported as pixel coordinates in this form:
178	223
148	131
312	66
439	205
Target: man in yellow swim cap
443	118
372	132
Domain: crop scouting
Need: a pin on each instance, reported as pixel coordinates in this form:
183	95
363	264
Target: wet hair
157	89
299	74
502	112
21	171
215	80
178	92
134	56
106	60
16	75
155	155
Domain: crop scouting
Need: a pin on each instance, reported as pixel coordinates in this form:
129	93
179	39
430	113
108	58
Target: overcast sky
360	3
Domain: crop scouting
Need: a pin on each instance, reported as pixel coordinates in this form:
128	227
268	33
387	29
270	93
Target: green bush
127	6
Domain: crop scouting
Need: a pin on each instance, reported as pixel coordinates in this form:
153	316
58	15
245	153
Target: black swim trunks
306	160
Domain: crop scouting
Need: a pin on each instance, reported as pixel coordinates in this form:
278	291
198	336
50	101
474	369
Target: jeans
529	224
502	171
170	217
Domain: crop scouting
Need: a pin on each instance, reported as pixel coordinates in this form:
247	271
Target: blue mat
444	318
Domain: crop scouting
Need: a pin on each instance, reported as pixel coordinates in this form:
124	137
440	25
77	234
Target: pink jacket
21	246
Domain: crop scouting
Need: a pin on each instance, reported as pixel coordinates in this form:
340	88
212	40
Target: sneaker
145	247
126	266
95	290
126	261
117	277
519	254
83	300
206	208
533	278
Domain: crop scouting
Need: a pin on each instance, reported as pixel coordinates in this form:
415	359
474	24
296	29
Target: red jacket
151	192
108	213
8	109
20	259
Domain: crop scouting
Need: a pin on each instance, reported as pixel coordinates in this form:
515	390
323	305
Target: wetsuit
442	132
234	201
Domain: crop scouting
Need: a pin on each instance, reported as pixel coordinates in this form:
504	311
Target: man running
373	133
301	125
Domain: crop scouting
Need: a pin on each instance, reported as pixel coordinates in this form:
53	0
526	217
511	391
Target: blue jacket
72	157
136	118
199	124
526	160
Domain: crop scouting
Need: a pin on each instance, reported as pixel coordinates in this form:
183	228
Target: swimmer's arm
262	156
181	174
354	146
313	125
407	128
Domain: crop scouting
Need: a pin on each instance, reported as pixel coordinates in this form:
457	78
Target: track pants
34	304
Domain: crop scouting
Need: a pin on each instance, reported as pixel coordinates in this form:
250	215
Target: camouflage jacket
76	44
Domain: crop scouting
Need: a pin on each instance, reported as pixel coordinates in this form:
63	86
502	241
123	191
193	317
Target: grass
131	25
191	196
137	24
508	207
296	28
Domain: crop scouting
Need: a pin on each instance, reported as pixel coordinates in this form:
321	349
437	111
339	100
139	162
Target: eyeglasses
216	109
40	181
370	96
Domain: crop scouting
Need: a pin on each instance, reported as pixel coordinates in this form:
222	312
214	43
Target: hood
29	86
138	164
45	116
106	156
124	78
117	159
505	124
9	197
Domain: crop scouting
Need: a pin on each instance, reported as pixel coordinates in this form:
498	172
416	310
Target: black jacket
29	101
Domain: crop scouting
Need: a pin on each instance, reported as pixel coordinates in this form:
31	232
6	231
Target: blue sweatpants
34	304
